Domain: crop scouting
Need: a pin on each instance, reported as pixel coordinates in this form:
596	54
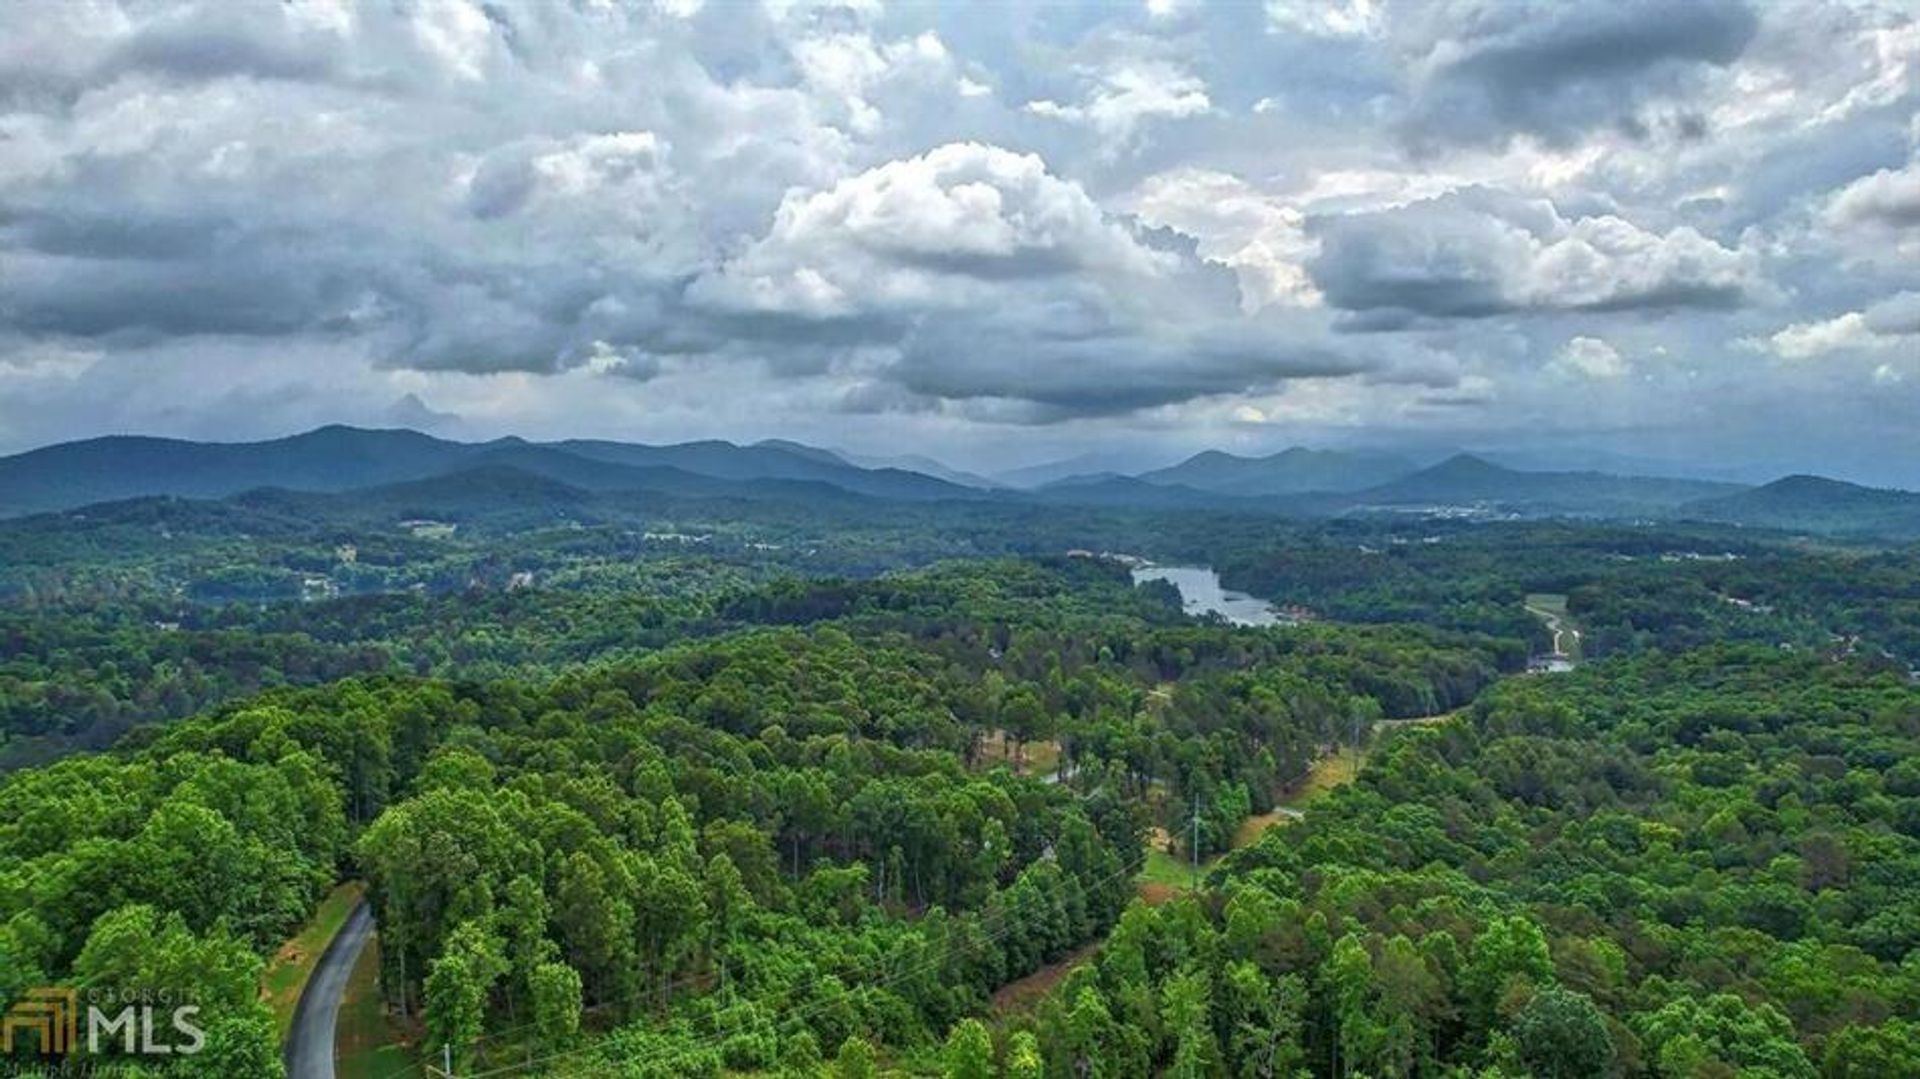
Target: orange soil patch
1024	993
1153	894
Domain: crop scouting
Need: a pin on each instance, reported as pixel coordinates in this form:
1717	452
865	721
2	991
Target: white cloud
1126	95
933	231
1478	253
1590	358
1892	323
845	69
1804	339
456	33
1889	197
517	210
1328	18
1261	237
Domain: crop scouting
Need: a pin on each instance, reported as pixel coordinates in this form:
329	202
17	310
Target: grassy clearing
1252	828
1325	774
287	973
1553	603
1036	758
367	1045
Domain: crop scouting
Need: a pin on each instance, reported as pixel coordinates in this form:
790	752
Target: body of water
1200	592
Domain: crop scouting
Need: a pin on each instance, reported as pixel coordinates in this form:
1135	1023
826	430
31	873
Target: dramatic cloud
1485	69
933	231
1474	255
1164	222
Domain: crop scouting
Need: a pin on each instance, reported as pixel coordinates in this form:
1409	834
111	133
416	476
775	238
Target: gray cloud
1476	253
771	213
1895	315
1489	69
1889	197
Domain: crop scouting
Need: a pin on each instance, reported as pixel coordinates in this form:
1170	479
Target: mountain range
408	468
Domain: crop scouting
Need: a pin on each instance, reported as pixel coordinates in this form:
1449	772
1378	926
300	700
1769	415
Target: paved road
309	1051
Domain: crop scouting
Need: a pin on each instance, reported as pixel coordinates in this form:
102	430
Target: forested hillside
1699	865
705	788
740	854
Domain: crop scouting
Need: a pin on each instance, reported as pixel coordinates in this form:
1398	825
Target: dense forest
912	794
746	828
1694	865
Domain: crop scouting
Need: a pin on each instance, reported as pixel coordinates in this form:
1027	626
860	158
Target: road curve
309	1049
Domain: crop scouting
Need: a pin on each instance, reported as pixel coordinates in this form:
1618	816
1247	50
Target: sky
1618	232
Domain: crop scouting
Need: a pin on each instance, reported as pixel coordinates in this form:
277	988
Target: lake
1200	592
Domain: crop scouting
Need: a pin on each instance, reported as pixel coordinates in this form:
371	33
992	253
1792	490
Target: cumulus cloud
993	281
928	232
1262	237
1892	323
710	218
1889	198
1474	254
1590	358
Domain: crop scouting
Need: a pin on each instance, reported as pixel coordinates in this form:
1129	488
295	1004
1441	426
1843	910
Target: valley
746	782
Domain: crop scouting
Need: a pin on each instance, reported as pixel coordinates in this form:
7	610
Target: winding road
309	1049
1566	639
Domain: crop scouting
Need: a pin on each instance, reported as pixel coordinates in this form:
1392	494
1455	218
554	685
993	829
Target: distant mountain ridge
1290	472
391	468
1816	504
1465	479
339	458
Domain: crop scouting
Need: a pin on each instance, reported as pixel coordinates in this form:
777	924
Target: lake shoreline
1201	593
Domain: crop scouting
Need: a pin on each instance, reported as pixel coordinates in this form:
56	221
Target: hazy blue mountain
119	467
1289	472
765	461
1108	489
1028	477
801	449
926	466
347	458
1466	480
1816	504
